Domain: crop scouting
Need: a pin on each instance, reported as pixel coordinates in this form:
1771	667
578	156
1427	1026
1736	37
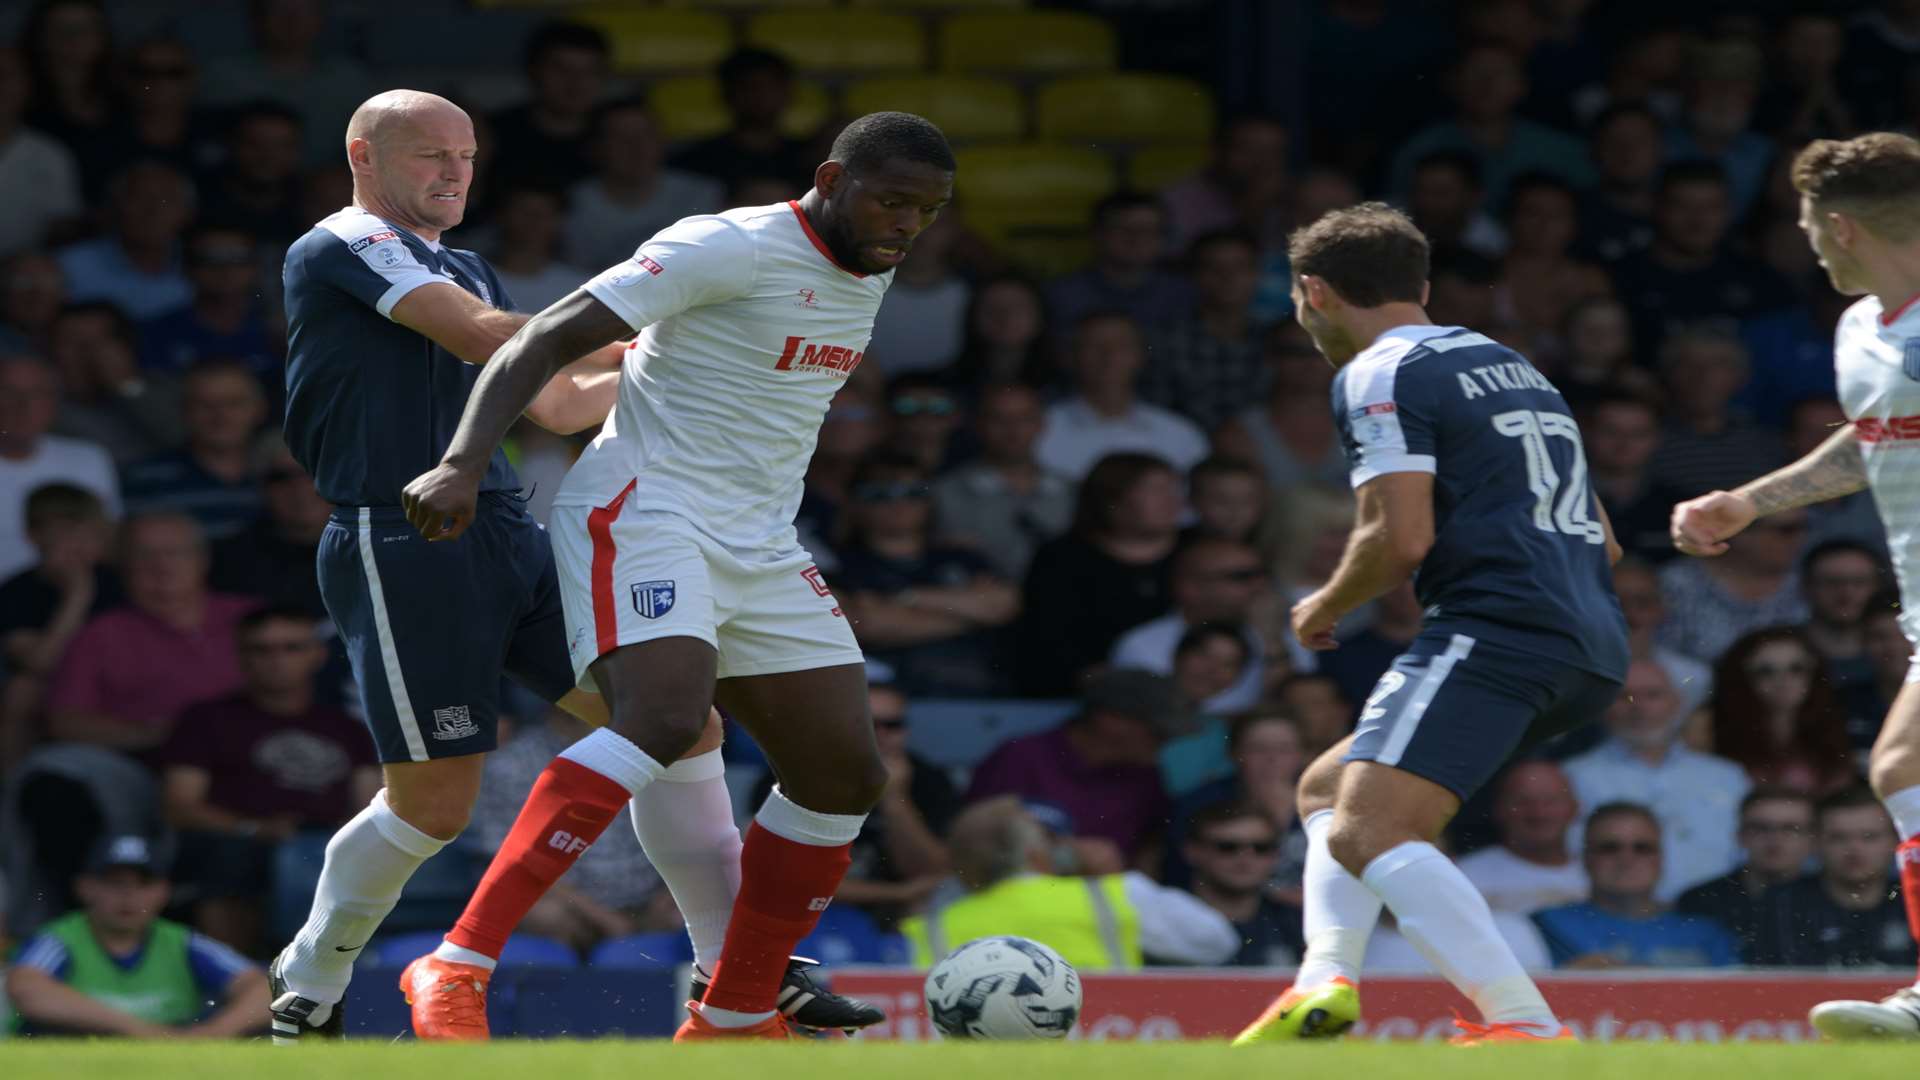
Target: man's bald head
393	112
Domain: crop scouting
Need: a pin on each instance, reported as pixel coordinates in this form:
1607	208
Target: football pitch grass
614	1060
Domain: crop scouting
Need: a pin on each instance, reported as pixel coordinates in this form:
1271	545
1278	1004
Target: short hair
1241	726
1371	254
1231	236
1199	634
1219	466
741	64
991	841
1187	553
1874	177
624	103
1226	810
565	34
272	613
885	463
1122	201
1712	333
1621	808
1691	172
1460	161
121	326
1622	110
216	367
265	109
877	138
1773	793
1836	546
49	503
1621	399
1852	797
1107	484
1464	263
1537	180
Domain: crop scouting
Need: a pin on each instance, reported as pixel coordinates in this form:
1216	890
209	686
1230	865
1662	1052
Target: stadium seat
1027	42
965	108
1156	168
751	5
659	951
942	5
842	41
959	734
1128	108
522	950
647	41
689	107
1032	201
847	935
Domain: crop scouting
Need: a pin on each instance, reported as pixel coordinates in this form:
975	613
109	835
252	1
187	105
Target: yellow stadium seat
752	5
1156	168
689	107
1030	183
838	41
942	5
650	41
1124	108
1027	42
965	108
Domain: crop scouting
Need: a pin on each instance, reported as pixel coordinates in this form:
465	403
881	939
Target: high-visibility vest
1087	920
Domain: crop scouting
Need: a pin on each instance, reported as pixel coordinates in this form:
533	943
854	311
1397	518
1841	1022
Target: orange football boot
449	999
1472	1034
697	1029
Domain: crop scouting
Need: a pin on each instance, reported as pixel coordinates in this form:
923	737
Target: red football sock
1907	856
784	886
568	809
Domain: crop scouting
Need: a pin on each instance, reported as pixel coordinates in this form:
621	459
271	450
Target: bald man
386	328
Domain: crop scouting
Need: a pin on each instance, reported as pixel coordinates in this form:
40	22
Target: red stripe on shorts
606	617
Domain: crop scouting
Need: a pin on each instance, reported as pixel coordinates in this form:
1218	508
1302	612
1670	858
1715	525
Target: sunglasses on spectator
1768	671
890	723
1237	847
890	492
937	406
1773	828
1619	847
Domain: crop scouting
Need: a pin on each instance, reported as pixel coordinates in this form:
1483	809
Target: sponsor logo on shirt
652	599
833	359
1872	429
631	273
371	239
1374	409
806	300
454	722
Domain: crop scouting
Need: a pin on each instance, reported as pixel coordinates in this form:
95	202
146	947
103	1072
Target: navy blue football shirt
370	403
1518	548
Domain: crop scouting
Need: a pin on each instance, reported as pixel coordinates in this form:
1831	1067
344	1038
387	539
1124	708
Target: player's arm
243	1009
473	330
1834	468
984	601
440	503
886	622
1614	551
42	999
1392	532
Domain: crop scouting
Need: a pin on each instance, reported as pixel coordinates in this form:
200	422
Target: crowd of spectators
1092	496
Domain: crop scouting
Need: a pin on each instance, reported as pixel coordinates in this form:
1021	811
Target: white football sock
459	954
1340	913
728	1018
685	825
1904	805
1447	919
368	862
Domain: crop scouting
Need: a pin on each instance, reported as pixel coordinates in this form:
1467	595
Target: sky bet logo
834	359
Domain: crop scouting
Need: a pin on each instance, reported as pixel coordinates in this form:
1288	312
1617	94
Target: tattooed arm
1834	468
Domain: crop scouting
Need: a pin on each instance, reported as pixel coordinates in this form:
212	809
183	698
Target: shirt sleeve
45	953
695	261
370	261
1178	926
1384	428
214	965
76	682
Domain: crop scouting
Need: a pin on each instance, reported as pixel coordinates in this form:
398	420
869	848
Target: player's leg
1338	914
392	597
1421	748
814	728
1895	773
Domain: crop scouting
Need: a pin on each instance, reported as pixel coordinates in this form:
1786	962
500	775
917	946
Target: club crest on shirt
652	599
1910	359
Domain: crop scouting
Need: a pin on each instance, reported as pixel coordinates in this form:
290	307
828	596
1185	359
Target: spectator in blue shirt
1621	924
225	319
136	266
213	477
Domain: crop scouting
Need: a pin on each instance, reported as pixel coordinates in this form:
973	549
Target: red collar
1886	317
807	227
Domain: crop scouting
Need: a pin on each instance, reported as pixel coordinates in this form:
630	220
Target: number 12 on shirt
1559	506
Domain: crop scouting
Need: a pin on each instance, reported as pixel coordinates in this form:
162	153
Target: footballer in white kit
1860	209
682	578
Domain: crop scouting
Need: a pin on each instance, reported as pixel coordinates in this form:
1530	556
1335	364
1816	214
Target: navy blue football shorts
1454	709
430	627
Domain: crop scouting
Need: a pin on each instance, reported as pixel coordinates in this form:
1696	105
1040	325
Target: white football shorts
636	576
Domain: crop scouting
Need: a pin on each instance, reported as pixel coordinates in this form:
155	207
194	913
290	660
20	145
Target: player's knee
1351	844
666	733
854	788
434	813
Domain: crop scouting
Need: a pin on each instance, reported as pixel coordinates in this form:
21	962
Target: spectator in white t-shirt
1531	868
922	321
630	195
30	457
526	253
1214	581
37	173
1105	415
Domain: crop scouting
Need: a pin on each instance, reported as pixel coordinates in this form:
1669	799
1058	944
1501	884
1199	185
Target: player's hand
440	502
1701	526
1313	624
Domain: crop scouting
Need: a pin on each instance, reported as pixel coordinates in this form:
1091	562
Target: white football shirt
747	330
1877	363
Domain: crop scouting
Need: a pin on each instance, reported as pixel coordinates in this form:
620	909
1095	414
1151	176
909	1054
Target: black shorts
430	627
1454	709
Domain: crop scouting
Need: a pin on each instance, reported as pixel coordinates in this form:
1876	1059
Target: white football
1003	988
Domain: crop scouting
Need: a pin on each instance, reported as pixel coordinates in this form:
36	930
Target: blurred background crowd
1067	498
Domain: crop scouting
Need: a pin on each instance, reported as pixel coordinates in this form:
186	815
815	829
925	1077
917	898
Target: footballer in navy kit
1469	476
